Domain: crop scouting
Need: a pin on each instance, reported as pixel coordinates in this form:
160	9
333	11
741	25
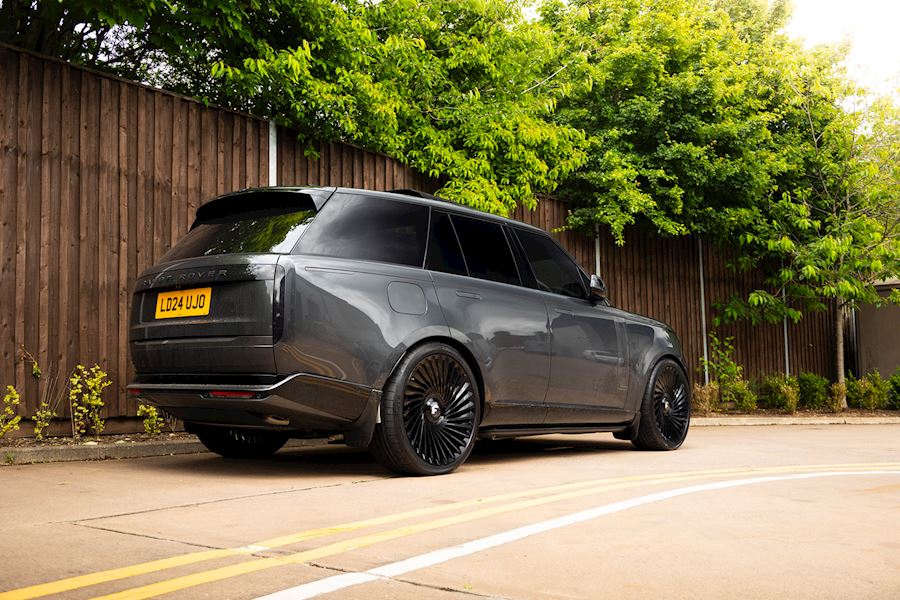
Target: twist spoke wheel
430	413
666	409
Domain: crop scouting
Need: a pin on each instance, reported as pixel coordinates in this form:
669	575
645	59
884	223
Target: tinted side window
555	272
368	228
444	253
486	251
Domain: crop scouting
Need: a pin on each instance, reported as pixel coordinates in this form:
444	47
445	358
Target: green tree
456	88
682	110
837	232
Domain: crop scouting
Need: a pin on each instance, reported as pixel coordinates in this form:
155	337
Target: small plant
10	458
729	375
705	398
782	393
86	399
869	392
9	420
894	393
813	391
50	399
153	423
740	394
837	393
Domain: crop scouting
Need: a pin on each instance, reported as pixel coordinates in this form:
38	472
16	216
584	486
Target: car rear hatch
212	304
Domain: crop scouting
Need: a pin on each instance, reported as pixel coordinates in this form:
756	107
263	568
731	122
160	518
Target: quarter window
553	269
486	250
444	253
368	228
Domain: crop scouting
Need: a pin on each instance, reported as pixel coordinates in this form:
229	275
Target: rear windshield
260	229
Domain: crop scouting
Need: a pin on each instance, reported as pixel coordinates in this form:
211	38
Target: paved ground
739	512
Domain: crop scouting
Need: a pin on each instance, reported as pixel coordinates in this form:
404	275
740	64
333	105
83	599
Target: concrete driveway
738	512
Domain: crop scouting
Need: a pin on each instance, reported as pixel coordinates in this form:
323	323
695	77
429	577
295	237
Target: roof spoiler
260	202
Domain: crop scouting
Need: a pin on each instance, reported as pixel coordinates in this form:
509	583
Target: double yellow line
504	503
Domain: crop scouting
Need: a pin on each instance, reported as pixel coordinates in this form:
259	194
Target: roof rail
417	194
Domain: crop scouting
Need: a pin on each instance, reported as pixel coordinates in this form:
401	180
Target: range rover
403	322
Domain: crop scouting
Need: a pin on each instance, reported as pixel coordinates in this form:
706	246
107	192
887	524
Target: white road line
429	559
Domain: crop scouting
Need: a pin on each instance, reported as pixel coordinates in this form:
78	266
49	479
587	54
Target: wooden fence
99	176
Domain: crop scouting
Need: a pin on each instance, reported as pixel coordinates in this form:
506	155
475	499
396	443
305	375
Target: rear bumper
301	403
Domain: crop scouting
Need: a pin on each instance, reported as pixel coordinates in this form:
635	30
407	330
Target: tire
232	442
430	411
666	408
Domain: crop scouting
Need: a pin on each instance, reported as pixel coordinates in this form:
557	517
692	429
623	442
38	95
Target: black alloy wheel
430	413
666	409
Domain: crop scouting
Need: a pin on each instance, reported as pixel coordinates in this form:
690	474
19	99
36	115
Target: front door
588	374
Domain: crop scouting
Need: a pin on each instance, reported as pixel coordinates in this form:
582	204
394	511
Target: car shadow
337	459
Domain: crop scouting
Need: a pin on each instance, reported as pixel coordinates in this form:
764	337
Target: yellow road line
80	581
213	575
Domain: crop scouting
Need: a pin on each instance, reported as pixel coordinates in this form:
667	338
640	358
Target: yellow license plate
183	303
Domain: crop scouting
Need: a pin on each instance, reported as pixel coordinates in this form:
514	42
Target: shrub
869	392
740	394
894	394
781	392
86	399
705	398
729	375
813	391
9	420
153	423
837	393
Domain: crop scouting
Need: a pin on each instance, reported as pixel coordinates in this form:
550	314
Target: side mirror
598	288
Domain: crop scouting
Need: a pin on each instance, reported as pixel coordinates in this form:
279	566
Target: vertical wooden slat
50	224
88	240
106	226
9	151
179	150
162	177
238	165
128	151
210	157
194	160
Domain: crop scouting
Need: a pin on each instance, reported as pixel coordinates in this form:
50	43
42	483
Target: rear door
503	323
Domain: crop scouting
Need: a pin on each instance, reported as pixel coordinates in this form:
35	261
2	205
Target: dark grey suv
406	323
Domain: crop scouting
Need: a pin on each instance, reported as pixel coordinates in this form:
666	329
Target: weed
153	423
86	399
10	458
50	397
9	420
705	398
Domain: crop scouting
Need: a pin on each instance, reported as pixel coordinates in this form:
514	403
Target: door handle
465	294
563	311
